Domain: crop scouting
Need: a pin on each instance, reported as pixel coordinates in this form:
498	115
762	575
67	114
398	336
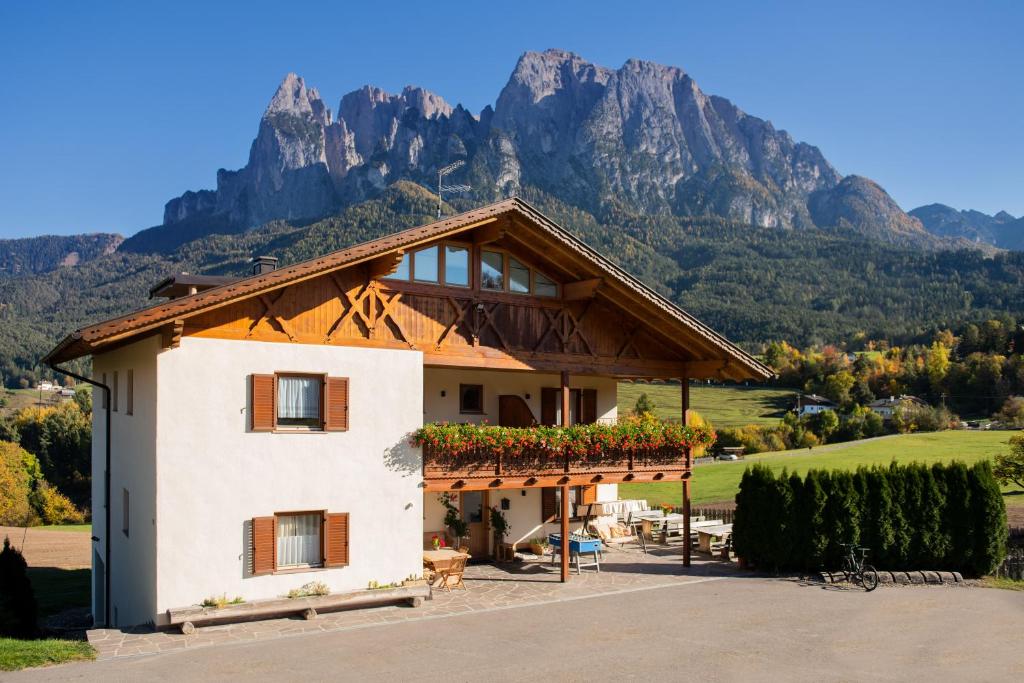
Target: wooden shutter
588	406
262	412
588	494
549	398
264	557
336	404
547	504
336	539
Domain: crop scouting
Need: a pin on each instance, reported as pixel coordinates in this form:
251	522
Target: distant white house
45	386
886	407
812	404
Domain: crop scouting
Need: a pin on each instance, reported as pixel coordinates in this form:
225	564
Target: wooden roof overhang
698	351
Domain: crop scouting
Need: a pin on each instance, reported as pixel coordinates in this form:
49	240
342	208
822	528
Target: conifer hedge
944	517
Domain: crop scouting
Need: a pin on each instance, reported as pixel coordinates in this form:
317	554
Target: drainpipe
106	485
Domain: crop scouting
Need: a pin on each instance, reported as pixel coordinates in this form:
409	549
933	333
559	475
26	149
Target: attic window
492	270
543	285
424	265
402	272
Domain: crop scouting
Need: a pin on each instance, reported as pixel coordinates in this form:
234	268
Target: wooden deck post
565	489
685	394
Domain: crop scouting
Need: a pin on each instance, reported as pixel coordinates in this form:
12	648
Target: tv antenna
442	188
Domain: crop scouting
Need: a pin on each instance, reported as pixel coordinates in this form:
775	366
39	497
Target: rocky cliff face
643	137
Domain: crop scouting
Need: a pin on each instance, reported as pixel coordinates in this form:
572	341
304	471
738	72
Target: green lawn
21	654
59	589
729	406
719	481
56	590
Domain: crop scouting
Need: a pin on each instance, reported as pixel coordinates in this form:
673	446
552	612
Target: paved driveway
717	629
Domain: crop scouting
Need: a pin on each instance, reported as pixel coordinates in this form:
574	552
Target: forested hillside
753	284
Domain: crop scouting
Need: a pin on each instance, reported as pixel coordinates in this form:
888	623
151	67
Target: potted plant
499	525
457	526
539	546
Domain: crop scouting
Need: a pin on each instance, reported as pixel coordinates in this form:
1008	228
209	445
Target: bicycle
855	570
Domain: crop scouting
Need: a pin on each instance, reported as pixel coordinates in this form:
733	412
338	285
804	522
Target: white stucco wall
133	467
446	408
215	475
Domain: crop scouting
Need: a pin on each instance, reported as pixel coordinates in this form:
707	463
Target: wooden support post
686	521
565	489
565	534
686	400
685	415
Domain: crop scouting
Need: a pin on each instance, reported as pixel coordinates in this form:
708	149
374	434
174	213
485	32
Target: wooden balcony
484	469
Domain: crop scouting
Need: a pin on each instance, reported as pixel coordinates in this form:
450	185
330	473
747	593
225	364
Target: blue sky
107	110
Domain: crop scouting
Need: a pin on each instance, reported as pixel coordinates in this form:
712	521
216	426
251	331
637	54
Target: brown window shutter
264	557
336	402
588	494
588	406
264	417
547	504
336	539
549	406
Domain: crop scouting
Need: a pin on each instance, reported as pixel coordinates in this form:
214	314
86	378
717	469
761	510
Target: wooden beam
504	483
581	289
170	335
701	369
488	234
384	265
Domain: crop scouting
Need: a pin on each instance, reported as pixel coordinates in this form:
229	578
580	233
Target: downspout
106	485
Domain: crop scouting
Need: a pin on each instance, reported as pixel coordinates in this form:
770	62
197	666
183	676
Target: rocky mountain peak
293	97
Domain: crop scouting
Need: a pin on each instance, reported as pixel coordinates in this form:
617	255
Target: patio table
671	522
707	534
440	559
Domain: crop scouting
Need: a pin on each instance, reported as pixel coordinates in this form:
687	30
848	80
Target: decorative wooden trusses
592	328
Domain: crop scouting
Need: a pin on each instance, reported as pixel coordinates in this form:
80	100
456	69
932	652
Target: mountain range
715	208
644	137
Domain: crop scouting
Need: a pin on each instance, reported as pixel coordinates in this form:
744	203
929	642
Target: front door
474	513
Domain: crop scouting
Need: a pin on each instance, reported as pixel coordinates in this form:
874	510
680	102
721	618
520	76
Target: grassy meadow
719	481
724	406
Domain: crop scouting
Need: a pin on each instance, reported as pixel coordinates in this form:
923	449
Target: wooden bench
186	618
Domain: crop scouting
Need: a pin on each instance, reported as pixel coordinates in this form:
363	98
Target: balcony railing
473	457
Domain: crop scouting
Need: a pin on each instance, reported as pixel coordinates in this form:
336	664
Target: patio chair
451	577
464	549
618	534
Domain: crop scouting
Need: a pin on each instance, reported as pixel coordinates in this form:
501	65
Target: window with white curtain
299	542
298	401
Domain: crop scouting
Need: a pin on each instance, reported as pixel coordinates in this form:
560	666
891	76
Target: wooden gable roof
706	353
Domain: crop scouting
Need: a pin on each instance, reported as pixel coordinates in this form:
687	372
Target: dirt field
43	548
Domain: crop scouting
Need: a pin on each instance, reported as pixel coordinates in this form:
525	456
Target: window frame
442	279
463	411
576	502
285	569
322	420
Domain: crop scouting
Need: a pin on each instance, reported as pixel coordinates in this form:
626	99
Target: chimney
263	264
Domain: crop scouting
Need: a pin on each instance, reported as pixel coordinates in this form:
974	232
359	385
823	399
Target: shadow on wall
404	457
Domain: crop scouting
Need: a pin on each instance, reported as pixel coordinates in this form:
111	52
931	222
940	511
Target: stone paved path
490	587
